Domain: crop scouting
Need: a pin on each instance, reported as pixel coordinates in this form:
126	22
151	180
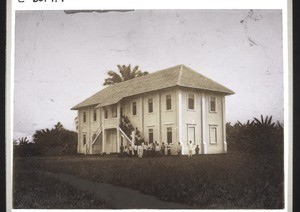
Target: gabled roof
180	75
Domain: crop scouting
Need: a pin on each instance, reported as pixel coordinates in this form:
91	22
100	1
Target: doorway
191	134
111	141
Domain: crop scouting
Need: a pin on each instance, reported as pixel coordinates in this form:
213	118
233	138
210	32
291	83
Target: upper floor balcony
110	123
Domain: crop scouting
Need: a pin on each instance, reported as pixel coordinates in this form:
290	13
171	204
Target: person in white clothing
168	149
179	149
157	149
140	151
190	146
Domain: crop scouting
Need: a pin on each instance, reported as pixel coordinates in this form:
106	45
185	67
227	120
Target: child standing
197	150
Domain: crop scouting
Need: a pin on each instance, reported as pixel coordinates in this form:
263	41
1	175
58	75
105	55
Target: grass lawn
225	181
37	191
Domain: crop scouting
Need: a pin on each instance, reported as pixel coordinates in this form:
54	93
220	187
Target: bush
257	136
54	142
24	148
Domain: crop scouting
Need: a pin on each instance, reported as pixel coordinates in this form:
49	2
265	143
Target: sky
62	59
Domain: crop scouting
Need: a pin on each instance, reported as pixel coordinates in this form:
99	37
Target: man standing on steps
133	137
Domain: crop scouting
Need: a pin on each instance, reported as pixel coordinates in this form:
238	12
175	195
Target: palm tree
125	74
58	126
23	141
267	122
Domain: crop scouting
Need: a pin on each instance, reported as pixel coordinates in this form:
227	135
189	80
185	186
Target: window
191	101
213	135
95	115
114	111
212	103
84	139
168	102
150	133
169	135
105	114
134	111
150	105
84	116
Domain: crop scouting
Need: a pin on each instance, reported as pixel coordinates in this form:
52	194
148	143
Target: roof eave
229	92
83	106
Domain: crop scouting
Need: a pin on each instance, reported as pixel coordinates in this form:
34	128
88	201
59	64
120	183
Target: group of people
145	149
191	148
130	131
140	148
154	149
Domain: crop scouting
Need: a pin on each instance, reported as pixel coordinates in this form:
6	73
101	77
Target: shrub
24	148
56	141
256	136
48	142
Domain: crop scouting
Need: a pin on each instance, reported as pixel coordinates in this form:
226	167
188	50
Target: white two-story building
172	105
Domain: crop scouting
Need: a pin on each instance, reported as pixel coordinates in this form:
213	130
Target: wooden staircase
126	128
89	148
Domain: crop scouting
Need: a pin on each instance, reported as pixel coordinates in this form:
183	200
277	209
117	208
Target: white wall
214	118
89	127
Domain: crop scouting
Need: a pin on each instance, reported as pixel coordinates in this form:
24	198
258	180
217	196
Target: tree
23	141
24	148
125	74
267	122
58	126
256	136
55	141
